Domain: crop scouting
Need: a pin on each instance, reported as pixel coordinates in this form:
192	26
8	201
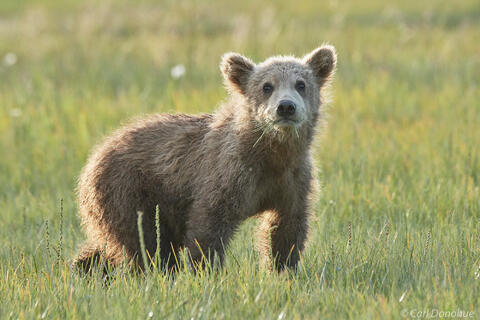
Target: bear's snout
286	108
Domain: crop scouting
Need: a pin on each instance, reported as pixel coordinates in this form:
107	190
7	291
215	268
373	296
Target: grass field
396	229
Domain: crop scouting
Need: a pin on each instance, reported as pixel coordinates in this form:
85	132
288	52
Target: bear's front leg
206	237
282	238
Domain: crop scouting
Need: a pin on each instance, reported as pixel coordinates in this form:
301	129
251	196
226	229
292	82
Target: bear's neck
274	150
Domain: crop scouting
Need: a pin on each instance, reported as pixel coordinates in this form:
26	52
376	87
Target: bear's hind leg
90	256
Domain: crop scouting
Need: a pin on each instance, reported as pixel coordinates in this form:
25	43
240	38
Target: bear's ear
322	61
236	70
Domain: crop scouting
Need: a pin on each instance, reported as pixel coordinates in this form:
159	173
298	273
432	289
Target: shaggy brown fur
208	173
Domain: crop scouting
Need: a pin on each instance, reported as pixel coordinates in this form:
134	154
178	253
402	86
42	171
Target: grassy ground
396	227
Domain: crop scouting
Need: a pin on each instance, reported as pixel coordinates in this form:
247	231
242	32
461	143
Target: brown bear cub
208	173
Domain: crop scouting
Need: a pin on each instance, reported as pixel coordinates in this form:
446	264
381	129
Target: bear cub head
281	94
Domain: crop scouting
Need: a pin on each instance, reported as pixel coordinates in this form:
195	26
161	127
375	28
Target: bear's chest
261	190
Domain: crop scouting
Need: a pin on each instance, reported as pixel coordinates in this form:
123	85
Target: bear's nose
286	108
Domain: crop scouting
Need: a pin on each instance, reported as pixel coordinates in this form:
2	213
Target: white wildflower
15	113
178	71
10	59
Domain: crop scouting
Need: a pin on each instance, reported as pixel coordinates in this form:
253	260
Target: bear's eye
300	86
267	88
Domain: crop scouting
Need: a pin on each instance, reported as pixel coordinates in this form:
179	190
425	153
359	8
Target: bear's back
150	153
